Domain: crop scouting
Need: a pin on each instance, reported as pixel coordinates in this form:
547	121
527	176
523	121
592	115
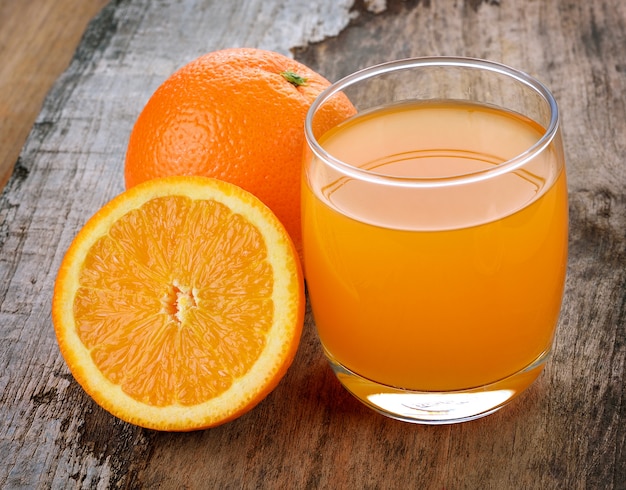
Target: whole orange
235	115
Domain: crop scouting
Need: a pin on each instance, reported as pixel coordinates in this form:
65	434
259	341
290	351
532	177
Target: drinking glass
435	224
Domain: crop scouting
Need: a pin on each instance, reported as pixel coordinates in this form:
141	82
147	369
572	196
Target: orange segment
180	304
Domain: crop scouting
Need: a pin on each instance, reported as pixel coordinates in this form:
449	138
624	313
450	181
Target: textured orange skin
231	115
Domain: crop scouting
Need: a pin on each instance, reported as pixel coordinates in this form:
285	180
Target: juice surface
436	290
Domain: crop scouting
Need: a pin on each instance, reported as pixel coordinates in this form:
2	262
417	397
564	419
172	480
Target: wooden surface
37	41
567	432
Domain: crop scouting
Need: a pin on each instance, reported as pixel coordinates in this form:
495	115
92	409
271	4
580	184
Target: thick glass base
436	408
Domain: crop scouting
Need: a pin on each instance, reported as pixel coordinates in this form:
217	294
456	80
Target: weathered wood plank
37	41
567	431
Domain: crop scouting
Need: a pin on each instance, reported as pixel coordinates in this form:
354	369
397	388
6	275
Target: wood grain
567	431
37	41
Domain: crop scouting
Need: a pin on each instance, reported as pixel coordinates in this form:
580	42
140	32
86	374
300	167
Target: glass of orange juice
435	224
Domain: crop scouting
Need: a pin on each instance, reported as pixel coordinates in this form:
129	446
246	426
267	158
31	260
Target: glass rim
433	61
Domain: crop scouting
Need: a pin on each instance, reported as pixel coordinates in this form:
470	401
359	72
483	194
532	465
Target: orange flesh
170	318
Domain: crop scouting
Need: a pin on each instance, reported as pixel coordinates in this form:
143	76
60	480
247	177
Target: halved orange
180	304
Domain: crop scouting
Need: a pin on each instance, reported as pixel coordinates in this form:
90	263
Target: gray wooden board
567	431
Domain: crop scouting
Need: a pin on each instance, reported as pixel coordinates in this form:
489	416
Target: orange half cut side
180	304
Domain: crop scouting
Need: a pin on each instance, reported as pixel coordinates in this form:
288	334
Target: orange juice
438	288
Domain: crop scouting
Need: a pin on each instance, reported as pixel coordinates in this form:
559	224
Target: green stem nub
294	79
